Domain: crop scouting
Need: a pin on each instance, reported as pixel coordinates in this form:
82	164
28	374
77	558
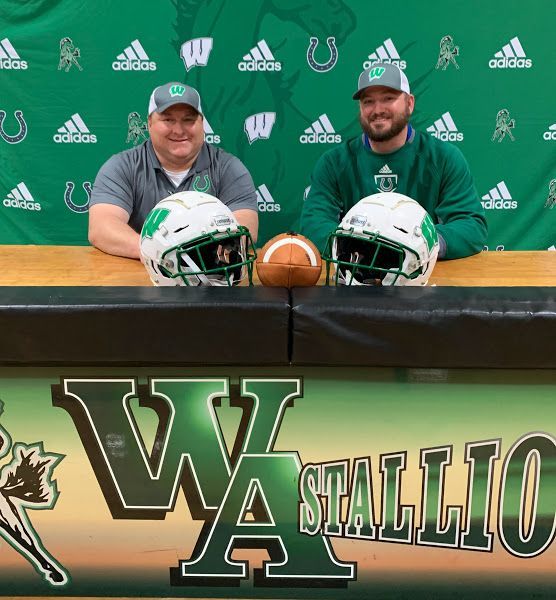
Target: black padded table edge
144	325
429	327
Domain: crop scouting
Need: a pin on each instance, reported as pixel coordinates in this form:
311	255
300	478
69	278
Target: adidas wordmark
550	134
499	198
9	58
511	56
259	58
320	132
134	58
385	53
265	201
74	130
20	197
445	129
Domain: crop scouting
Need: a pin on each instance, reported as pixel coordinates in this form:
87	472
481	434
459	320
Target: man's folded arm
109	231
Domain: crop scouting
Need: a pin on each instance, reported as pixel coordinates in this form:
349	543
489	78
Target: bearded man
389	156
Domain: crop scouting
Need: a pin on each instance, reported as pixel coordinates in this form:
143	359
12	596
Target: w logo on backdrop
196	52
77	208
259	126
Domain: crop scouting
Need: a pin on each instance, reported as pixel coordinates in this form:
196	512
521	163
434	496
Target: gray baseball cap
172	93
384	74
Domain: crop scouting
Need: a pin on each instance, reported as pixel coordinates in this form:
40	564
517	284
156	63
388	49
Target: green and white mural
277	482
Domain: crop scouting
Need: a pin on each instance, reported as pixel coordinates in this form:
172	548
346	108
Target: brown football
289	260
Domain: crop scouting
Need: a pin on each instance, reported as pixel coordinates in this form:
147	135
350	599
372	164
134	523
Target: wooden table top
84	265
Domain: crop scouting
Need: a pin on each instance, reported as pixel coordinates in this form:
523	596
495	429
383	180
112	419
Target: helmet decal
154	220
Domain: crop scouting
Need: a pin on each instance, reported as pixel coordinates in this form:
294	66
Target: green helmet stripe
429	232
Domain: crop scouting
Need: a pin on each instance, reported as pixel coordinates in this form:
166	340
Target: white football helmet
192	238
384	239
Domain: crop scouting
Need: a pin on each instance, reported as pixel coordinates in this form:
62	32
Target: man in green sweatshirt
391	156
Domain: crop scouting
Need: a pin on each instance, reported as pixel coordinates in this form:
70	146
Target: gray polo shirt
134	180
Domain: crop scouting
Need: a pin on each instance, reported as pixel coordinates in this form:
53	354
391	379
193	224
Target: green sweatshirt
433	172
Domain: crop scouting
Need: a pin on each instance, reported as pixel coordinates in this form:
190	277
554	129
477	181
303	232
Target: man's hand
250	219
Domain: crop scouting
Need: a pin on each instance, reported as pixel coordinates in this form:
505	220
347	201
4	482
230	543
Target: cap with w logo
172	93
385	74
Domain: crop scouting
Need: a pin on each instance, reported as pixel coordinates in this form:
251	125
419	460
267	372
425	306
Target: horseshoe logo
20	135
322	67
386	184
197	187
78	208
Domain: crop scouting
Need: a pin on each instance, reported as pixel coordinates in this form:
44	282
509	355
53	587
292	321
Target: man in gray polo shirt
175	159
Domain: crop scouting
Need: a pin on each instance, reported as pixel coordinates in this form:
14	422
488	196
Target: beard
397	125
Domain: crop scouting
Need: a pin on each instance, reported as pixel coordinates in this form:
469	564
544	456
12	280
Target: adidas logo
9	58
320	132
75	131
265	201
445	129
210	136
499	198
20	197
259	58
512	56
550	134
195	53
133	58
259	126
386	180
385	53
